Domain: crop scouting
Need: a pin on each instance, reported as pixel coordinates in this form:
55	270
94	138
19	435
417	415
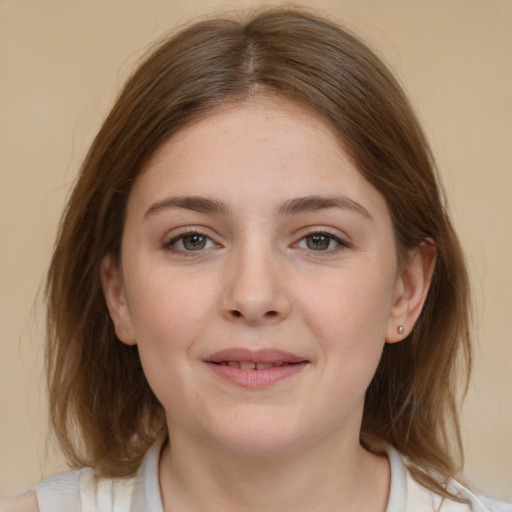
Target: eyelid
171	239
323	230
174	236
342	240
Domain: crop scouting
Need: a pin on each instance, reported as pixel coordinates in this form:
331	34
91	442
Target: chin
261	445
257	436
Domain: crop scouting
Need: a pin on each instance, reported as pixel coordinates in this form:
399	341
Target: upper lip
262	355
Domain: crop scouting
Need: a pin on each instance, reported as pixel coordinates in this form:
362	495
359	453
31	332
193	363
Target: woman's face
258	279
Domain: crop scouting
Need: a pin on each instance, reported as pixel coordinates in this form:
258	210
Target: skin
254	270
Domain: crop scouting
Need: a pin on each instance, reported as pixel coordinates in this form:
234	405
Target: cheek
356	302
167	314
167	327
165	307
349	319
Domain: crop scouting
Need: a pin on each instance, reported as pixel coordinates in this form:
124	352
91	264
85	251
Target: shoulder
478	503
24	502
419	496
81	490
60	492
408	495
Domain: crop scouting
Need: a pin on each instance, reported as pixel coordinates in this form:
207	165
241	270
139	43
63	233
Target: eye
321	242
189	242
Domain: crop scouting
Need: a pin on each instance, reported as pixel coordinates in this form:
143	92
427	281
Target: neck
197	477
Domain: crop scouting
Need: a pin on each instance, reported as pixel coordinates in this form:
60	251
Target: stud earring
400	329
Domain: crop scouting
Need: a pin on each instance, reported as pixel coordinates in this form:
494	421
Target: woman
256	282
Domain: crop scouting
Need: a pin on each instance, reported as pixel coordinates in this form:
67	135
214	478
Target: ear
410	292
115	297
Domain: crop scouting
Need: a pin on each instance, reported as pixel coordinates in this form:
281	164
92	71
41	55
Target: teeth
264	366
247	366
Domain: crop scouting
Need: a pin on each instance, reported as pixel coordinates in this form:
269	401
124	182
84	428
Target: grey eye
194	242
321	242
318	242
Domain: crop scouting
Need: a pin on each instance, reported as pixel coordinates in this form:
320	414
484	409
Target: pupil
318	242
194	242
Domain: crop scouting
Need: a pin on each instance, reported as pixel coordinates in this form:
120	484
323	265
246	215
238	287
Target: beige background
61	63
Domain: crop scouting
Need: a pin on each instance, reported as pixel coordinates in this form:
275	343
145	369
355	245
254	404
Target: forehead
272	146
257	118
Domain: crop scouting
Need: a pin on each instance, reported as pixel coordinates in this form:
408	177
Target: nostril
270	314
236	313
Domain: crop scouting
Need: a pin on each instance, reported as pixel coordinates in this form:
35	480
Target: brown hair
102	408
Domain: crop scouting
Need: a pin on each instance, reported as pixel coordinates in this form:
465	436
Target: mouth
261	359
255	368
248	365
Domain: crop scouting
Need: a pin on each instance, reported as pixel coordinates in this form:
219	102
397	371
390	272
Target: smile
254	369
247	365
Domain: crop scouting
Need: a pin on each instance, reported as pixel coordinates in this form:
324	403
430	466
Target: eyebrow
315	203
195	203
291	207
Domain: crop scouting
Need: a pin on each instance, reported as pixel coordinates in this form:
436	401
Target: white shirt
79	491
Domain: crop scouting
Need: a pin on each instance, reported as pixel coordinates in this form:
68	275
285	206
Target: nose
256	291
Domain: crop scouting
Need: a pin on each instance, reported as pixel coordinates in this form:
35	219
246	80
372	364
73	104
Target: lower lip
254	379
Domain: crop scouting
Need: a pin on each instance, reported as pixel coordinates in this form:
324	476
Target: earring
400	329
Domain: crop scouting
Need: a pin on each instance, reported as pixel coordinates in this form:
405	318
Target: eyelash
170	245
342	244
